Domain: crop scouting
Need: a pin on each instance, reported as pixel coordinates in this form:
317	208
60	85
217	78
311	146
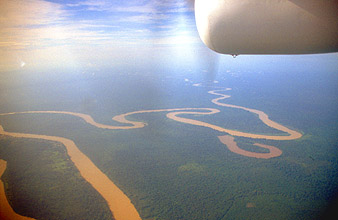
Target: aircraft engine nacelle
268	26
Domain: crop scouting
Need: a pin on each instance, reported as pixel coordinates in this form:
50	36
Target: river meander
119	204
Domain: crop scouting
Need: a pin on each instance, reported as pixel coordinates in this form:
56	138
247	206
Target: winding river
119	204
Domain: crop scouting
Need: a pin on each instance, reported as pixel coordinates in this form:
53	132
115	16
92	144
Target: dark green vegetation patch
41	182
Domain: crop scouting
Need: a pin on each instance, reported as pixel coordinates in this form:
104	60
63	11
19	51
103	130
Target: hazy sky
37	32
41	34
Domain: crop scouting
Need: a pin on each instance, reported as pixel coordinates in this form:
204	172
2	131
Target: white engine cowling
268	26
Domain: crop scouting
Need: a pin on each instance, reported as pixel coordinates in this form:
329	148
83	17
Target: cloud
34	22
28	12
20	20
150	6
95	5
32	30
144	18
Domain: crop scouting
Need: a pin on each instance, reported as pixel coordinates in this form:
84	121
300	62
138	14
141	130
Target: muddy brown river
119	204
